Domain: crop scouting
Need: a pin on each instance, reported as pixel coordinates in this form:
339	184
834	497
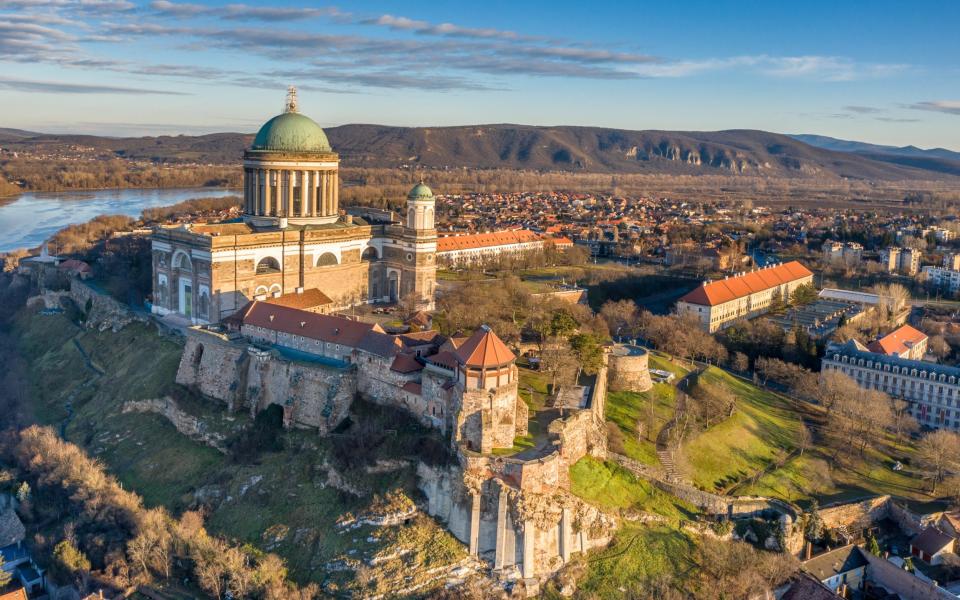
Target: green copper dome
291	132
420	192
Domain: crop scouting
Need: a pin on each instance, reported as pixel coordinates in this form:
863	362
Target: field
287	501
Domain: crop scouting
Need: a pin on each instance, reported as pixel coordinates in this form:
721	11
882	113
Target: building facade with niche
294	237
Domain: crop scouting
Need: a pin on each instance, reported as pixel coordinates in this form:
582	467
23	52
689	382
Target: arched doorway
393	281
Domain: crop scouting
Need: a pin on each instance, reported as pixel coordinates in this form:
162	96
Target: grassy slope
763	426
637	554
610	486
626	408
149	456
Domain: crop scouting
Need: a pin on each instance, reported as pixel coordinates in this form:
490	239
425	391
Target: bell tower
419	264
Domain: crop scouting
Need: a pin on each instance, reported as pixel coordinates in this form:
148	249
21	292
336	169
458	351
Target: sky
877	71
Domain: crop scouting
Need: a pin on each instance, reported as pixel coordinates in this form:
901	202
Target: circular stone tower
628	369
290	173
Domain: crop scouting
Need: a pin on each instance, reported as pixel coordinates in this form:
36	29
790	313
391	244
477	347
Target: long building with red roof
717	304
479	247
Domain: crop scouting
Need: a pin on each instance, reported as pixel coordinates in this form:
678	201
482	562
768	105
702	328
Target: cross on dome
291	102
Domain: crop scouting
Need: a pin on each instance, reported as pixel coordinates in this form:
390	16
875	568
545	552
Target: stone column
498	561
308	193
305	193
529	535
335	179
565	535
290	210
474	524
324	196
267	204
246	190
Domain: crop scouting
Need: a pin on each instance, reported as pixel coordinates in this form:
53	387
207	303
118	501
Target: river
32	218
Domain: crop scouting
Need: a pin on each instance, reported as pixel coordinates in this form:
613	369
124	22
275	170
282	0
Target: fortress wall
312	395
534	533
212	366
488	419
629	369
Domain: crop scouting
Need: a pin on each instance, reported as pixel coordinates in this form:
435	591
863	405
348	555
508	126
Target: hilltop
554	148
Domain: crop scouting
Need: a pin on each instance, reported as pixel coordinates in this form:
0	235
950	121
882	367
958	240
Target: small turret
420	208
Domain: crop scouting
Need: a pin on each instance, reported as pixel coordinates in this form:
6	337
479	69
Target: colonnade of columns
282	193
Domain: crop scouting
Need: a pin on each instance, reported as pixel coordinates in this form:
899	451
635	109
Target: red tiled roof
444	359
326	328
560	241
482	240
405	363
725	290
484	349
306	299
897	341
17	594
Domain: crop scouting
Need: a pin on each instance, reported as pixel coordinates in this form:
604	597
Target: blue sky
883	72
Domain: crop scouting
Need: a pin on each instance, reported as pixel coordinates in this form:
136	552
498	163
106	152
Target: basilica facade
294	237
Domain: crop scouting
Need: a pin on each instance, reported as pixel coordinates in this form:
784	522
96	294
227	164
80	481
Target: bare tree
938	453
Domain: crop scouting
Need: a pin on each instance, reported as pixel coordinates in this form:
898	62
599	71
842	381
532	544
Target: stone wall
104	312
629	370
311	395
528	533
185	423
487	419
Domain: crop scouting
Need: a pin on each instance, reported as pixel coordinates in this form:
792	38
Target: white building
842	253
932	390
903	260
947	280
717	304
951	261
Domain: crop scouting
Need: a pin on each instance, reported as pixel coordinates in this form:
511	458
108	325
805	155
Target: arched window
268	265
326	259
370	254
182	261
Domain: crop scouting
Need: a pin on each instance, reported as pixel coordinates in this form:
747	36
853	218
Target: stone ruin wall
310	395
530	533
105	312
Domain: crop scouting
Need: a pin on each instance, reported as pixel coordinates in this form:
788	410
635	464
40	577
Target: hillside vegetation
287	500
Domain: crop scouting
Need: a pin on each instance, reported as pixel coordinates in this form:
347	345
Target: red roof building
717	304
905	342
484	361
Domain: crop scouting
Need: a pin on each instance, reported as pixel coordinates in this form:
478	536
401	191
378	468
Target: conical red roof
483	350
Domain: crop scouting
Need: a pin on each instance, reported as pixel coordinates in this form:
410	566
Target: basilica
294	244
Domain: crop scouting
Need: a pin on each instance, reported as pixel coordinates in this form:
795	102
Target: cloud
863	110
951	107
57	87
241	12
897	120
81	6
443	29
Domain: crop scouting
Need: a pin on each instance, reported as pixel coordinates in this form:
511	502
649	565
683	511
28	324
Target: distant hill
933	159
583	149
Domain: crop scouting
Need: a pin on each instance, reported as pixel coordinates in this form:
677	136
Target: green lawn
763	426
626	409
811	476
638	555
610	486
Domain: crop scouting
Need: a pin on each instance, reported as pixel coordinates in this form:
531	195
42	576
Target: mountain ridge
543	148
